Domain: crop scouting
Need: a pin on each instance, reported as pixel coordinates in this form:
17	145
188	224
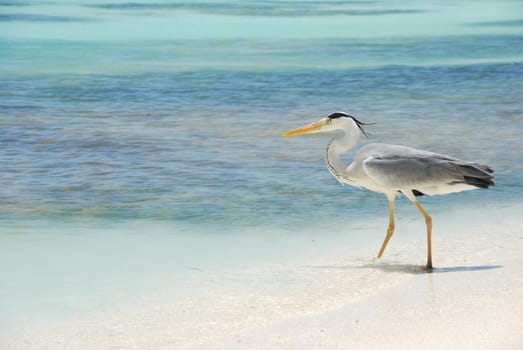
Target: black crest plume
360	124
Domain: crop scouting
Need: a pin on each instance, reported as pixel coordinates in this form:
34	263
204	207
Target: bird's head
337	121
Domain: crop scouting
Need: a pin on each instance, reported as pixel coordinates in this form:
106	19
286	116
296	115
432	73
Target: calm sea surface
169	114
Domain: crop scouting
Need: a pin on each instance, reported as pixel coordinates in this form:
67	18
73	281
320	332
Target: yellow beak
304	129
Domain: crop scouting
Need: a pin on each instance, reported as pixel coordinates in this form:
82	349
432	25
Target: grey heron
394	170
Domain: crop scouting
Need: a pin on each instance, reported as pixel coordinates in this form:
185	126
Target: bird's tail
478	175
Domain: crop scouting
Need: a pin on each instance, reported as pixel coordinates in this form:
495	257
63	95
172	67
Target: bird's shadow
412	269
420	270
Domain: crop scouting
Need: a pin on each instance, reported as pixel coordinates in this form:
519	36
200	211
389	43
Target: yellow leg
390	230
428	221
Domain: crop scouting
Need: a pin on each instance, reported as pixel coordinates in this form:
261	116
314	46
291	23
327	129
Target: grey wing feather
399	168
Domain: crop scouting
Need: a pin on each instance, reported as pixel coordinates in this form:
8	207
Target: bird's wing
409	169
400	172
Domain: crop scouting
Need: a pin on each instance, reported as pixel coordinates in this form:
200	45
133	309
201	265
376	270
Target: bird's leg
428	221
390	230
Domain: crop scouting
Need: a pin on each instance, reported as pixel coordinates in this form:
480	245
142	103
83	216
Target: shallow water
123	118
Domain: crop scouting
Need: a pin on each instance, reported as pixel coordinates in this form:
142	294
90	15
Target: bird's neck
339	145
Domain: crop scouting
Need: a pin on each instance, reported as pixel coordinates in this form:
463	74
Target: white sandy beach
472	300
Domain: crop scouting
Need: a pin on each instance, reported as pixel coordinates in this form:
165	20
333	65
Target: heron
395	170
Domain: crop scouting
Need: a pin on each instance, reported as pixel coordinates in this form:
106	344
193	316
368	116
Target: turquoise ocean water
139	141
